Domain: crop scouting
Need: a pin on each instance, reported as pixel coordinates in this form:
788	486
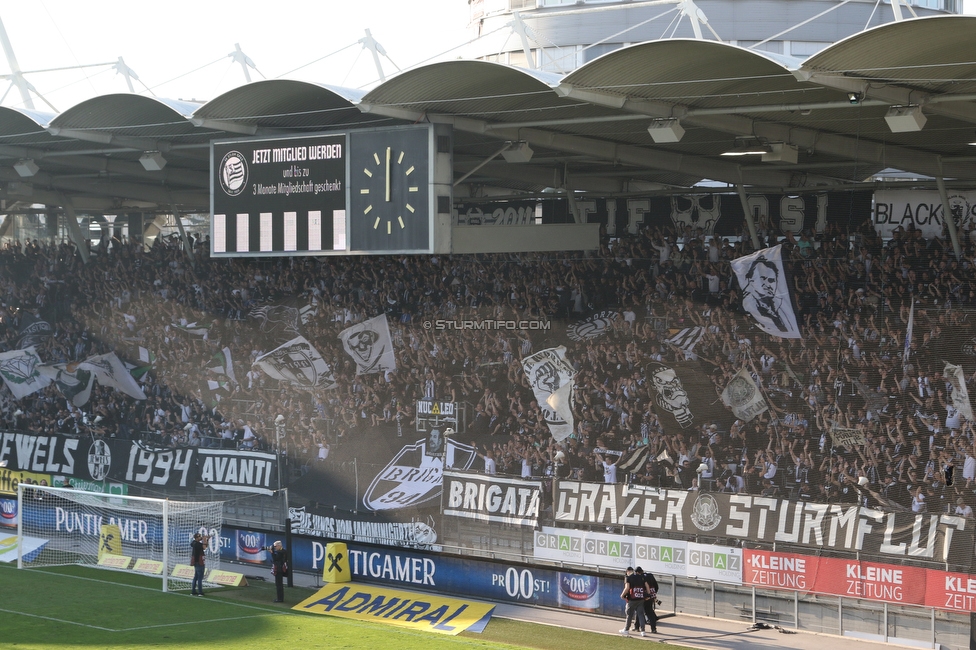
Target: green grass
82	607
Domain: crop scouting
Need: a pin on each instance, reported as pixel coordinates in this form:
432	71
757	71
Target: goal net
62	526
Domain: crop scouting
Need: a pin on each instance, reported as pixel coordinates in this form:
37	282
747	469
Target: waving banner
960	394
743	397
74	383
684	396
298	363
20	370
33	331
551	378
370	345
766	293
110	371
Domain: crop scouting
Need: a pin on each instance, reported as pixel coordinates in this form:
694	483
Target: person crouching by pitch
635	591
197	561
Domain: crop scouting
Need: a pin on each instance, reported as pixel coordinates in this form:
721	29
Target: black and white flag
766	293
298	363
370	346
743	397
33	331
684	396
634	460
687	339
551	378
960	394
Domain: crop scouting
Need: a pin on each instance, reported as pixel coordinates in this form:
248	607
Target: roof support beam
628	154
960	107
74	230
810	139
190	200
114	166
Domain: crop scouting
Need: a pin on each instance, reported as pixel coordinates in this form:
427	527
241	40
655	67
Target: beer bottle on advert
579	592
251	547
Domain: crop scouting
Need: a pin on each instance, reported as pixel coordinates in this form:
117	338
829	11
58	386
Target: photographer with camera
279	569
650	605
197	561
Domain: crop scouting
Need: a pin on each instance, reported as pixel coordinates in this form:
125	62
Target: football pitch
80	607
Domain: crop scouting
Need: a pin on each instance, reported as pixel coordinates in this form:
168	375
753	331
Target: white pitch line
212	620
59	620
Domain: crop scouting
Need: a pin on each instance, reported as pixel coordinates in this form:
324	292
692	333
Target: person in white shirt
963	509
491	467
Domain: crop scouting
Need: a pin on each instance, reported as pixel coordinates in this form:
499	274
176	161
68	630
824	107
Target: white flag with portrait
298	363
20	370
766	293
551	378
743	396
370	345
960	394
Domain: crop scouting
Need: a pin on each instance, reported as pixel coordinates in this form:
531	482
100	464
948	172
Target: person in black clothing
279	567
650	605
197	561
635	591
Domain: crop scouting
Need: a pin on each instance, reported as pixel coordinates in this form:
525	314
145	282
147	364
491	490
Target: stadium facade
561	35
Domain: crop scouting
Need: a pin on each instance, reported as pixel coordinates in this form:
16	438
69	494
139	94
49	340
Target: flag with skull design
551	377
370	345
683	395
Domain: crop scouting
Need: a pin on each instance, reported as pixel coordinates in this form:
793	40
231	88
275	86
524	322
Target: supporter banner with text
922	210
718	214
842	528
88	460
379	488
491	498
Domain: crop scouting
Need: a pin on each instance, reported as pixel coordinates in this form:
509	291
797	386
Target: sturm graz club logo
413	476
99	460
233	173
593	327
705	513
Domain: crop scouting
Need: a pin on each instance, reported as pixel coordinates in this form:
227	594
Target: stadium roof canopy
826	122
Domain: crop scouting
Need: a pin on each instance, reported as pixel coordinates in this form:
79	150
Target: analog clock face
389	191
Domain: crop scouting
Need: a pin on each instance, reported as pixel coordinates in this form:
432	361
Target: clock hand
388	152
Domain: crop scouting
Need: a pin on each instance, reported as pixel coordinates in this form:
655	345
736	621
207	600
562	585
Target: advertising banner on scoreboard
899	535
491	498
286	195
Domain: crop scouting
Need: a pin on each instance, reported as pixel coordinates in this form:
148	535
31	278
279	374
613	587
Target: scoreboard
356	192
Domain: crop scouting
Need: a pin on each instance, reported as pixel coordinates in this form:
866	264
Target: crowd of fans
852	291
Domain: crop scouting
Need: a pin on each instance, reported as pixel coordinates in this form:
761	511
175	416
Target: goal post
65	526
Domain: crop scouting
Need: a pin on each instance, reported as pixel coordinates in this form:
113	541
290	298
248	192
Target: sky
161	41
180	50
